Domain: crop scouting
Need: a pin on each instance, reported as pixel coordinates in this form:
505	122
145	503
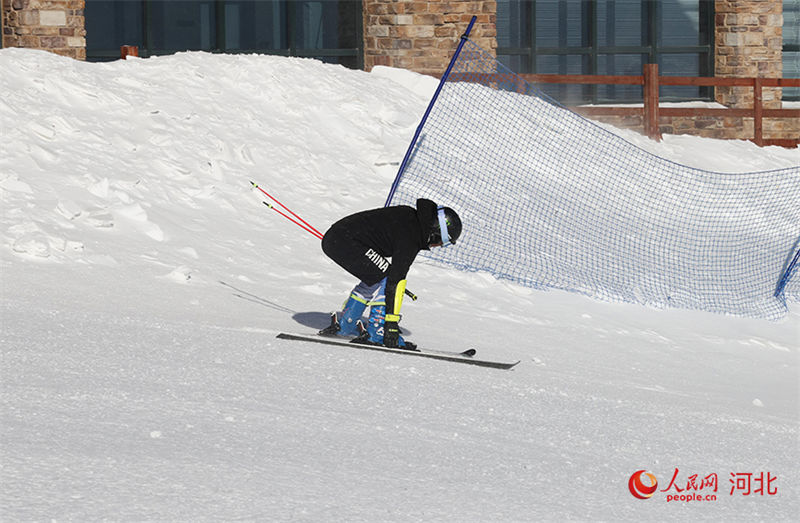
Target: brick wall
53	25
421	36
749	43
749	36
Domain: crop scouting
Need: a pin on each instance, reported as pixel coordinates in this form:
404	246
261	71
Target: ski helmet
446	227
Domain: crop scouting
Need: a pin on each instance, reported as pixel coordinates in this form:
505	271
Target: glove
391	334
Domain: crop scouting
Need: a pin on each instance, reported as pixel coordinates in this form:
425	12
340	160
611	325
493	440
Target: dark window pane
255	25
561	64
183	25
620	65
325	24
678	65
791	43
620	23
611	37
518	64
515	17
791	69
680	23
791	23
562	23
111	24
325	29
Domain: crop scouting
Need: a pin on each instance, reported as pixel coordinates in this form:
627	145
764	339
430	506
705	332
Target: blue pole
787	274
428	111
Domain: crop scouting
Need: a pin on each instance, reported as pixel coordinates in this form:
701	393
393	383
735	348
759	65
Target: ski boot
345	324
372	333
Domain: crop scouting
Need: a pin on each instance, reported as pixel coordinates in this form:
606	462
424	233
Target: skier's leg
354	307
355	257
377	315
363	263
377	318
345	323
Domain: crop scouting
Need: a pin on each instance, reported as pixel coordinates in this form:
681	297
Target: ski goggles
443	227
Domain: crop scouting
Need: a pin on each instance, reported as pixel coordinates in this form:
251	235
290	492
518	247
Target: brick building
736	38
54	25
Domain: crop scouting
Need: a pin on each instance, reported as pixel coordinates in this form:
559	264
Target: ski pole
312	231
307	227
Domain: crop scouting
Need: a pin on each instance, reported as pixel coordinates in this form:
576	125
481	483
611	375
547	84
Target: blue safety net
550	199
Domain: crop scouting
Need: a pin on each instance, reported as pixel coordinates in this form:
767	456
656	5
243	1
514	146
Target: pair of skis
467	357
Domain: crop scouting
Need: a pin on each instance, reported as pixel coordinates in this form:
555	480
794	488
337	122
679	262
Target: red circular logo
638	488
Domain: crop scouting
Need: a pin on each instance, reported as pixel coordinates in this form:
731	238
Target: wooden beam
651	102
758	113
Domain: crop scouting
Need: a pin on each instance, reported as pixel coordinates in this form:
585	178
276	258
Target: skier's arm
395	289
394	300
396	281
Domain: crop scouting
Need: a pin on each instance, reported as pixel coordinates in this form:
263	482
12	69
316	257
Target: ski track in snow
143	284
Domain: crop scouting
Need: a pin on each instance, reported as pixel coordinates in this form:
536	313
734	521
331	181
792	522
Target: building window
328	30
791	47
608	37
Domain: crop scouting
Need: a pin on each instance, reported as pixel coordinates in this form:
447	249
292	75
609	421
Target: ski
465	357
352	339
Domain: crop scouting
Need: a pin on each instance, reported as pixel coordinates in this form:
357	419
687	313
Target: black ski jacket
398	232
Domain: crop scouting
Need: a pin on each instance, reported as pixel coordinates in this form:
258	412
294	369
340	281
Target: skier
362	242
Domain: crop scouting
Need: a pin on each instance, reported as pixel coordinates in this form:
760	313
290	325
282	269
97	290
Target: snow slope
143	283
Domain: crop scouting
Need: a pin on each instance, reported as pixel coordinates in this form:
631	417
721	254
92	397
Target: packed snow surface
143	283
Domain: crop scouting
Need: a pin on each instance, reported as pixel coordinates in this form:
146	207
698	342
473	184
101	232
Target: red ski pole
312	231
305	225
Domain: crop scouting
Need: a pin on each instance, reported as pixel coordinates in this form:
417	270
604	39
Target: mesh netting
551	200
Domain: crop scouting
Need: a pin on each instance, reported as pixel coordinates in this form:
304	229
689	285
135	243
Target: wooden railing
650	112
